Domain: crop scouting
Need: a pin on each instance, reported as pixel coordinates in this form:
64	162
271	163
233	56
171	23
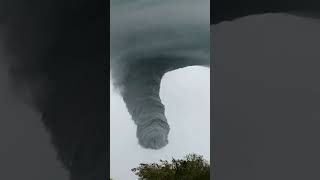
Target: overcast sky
267	98
186	95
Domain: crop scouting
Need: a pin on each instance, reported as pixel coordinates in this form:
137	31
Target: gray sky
267	98
188	113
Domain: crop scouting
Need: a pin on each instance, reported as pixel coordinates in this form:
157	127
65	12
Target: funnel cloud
149	39
56	52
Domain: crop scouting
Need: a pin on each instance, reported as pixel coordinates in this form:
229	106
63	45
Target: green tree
192	167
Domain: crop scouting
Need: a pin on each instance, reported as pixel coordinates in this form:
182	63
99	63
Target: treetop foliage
192	167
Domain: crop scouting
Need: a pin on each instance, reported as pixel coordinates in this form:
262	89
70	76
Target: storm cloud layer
148	39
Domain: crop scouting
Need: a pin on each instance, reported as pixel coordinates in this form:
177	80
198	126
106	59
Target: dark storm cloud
226	10
148	39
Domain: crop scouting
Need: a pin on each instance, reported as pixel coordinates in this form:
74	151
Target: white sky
186	95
